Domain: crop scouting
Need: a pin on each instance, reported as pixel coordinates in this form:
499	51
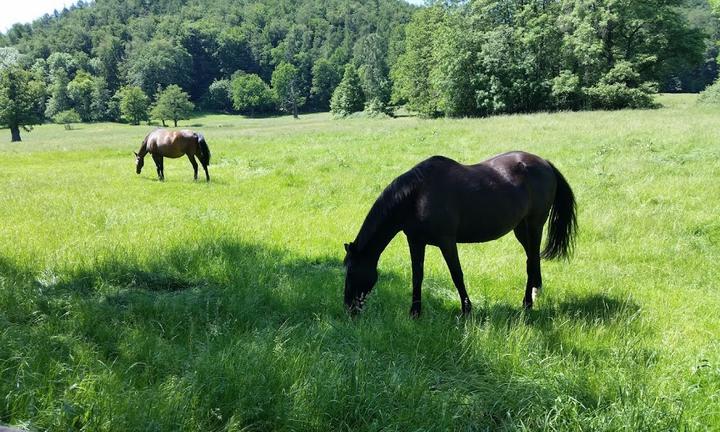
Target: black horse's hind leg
530	237
207	176
417	256
159	164
450	253
194	164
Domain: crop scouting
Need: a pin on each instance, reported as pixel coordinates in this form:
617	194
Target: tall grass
130	304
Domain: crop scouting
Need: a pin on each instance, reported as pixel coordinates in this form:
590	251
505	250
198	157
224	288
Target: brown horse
173	144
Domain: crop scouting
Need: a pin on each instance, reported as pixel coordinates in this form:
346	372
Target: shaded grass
126	303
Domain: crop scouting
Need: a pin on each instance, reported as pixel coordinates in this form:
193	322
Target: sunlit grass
130	304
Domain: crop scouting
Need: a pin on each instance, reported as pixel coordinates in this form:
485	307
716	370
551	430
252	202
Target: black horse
441	202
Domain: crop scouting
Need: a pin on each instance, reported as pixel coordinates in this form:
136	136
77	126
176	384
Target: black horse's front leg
417	256
450	253
159	164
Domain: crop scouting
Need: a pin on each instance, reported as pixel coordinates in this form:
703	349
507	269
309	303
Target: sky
25	11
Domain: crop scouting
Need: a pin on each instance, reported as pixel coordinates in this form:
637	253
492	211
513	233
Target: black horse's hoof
527	305
414	313
466	308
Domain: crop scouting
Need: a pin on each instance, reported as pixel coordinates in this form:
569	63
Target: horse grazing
441	202
173	144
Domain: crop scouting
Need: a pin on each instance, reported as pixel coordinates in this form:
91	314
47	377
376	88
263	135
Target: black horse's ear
135	153
347	248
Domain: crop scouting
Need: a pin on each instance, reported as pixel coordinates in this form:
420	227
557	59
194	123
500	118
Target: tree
158	63
219	96
9	56
80	91
173	104
348	96
250	93
286	85
133	104
67	118
21	101
325	79
370	55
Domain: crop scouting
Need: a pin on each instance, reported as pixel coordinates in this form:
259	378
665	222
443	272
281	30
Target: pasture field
130	304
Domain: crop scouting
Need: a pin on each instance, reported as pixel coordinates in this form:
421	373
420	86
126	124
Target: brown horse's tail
203	150
563	221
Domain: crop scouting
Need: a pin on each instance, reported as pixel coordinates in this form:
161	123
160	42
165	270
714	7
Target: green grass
130	304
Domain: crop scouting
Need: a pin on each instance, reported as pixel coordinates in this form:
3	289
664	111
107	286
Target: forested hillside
85	54
161	59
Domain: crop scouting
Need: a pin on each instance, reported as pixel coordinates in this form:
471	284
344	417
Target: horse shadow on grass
232	320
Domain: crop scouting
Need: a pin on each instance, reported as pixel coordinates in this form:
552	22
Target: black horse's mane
391	199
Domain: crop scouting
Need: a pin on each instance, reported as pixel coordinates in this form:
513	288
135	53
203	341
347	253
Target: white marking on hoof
536	291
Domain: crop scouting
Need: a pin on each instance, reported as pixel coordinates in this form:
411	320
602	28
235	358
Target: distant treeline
453	58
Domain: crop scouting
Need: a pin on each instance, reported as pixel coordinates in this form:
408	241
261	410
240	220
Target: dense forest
137	59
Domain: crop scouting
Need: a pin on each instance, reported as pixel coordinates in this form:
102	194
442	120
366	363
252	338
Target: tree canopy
20	98
451	57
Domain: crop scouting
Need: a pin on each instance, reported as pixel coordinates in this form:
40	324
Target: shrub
711	95
67	118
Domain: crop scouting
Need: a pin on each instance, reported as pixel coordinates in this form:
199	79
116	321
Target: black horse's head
139	162
361	275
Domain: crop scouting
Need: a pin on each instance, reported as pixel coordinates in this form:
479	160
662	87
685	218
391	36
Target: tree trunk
15	132
175	121
163	122
295	108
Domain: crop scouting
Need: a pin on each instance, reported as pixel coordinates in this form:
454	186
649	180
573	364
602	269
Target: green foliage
67	118
287	88
21	100
81	91
411	73
193	43
487	56
711	95
172	104
250	94
348	96
133	104
325	78
58	89
566	90
158	63
370	57
102	106
9	56
219	96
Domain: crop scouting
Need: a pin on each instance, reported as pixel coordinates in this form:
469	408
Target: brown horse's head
360	278
139	162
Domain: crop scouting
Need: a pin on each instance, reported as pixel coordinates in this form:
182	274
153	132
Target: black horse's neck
387	214
372	244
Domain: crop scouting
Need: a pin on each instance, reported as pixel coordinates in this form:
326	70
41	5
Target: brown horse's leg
417	256
159	164
530	238
194	164
450	253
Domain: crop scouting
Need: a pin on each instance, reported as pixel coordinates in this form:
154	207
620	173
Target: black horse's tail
203	149
563	221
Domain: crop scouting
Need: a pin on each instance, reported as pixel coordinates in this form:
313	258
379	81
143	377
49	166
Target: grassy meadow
131	304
